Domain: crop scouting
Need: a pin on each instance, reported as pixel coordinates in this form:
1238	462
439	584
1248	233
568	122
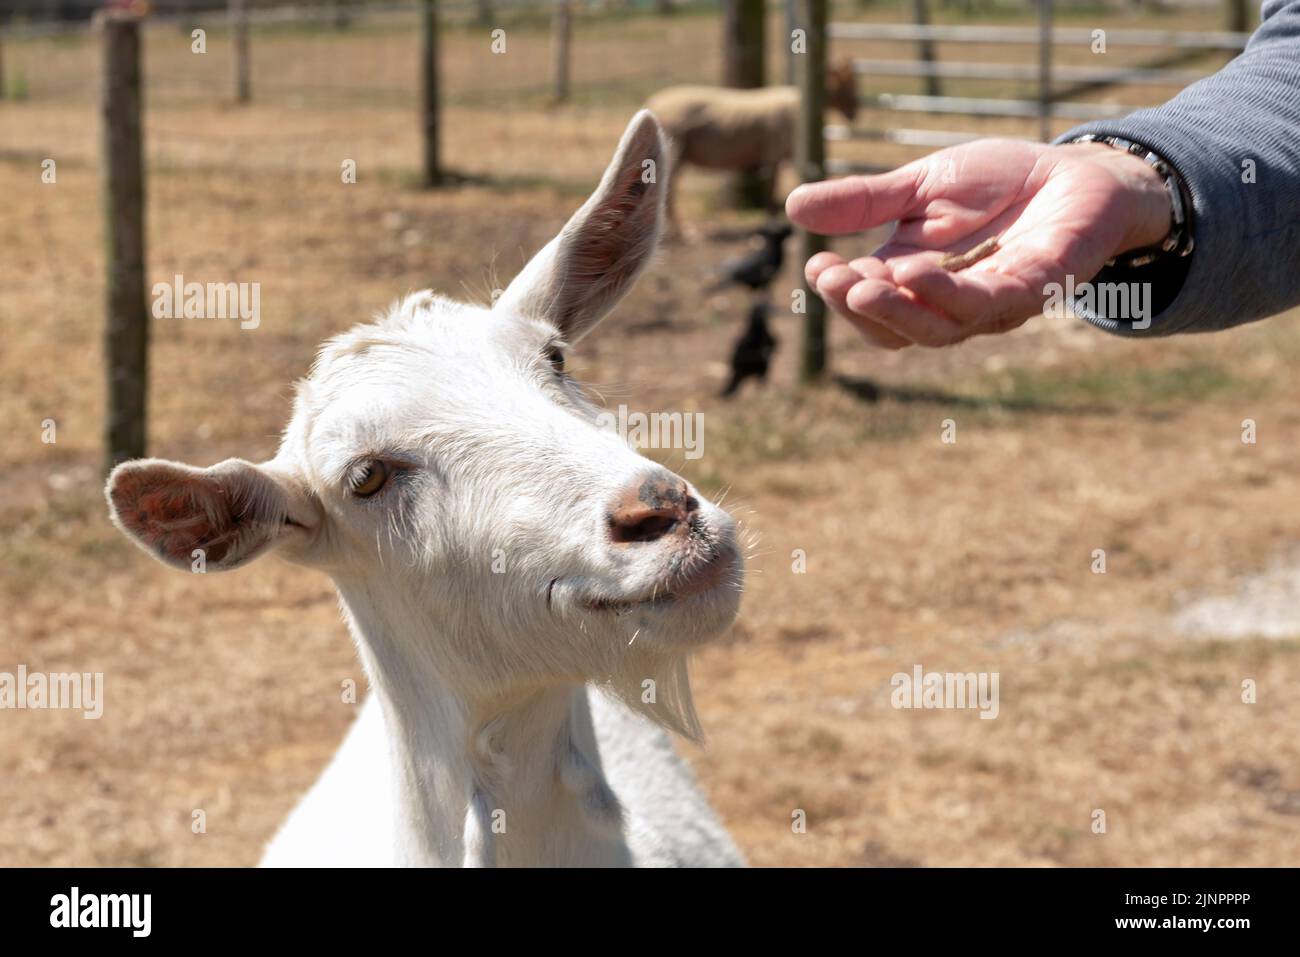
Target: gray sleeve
1246	260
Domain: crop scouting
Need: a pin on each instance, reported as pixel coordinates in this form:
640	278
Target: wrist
1148	210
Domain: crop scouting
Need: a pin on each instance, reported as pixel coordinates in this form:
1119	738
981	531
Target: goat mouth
623	605
682	584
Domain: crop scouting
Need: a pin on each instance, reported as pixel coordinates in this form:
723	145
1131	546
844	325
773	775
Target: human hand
1058	210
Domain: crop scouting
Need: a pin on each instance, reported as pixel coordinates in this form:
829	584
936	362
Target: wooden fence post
126	339
744	48
1236	16
1045	70
430	101
790	20
239	41
340	13
561	38
925	48
810	161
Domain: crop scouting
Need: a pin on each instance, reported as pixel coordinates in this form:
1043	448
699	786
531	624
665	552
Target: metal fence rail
1049	102
986	106
1065	36
1138	75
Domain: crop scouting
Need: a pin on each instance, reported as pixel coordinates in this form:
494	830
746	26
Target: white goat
523	587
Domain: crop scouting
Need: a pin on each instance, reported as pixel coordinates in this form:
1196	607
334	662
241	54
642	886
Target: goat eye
557	359
368	478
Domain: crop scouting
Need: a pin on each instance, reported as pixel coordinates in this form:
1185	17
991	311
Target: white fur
476	582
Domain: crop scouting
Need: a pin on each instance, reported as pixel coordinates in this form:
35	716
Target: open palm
1057	211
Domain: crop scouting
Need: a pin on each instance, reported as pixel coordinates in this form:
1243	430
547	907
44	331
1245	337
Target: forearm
1235	139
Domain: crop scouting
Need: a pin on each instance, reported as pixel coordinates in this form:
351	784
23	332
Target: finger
965	301
819	264
902	314
997	294
855	203
872	267
833	286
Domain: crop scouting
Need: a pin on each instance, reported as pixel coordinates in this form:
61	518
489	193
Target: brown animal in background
729	129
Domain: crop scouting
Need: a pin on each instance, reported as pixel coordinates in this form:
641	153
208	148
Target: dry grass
223	694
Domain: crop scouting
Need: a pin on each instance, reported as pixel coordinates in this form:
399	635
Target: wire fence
954	82
321	86
368	56
349	51
328	87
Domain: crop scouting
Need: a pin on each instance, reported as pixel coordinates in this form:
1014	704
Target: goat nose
650	509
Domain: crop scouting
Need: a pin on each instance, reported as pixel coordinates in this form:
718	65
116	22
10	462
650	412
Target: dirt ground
1120	692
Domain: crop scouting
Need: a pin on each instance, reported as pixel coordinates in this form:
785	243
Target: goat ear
583	272
211	519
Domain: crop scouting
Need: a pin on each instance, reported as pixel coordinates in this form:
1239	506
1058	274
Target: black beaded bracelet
1179	241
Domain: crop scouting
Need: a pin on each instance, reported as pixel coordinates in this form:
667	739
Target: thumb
855	203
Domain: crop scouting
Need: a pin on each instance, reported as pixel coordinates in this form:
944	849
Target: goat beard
648	674
670	703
